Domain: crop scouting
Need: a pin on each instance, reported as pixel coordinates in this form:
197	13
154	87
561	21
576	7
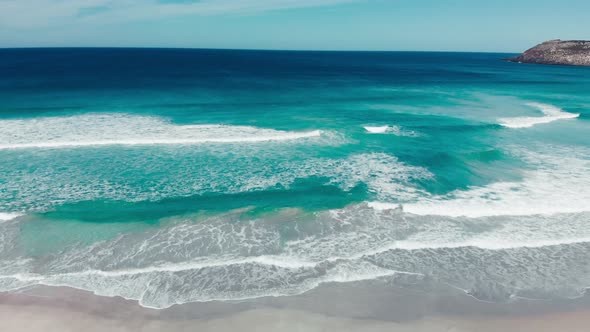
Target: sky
402	25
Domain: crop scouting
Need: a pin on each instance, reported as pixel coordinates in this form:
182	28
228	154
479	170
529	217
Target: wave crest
559	183
8	216
394	130
552	113
123	129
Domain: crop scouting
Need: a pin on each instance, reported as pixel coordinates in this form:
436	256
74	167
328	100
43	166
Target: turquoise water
174	176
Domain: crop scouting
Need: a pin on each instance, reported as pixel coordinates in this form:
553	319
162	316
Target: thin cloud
27	14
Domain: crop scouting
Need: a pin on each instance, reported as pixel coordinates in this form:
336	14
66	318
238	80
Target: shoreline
54	309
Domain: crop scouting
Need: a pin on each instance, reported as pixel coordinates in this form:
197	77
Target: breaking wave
123	129
72	179
224	257
8	216
394	130
552	113
558	183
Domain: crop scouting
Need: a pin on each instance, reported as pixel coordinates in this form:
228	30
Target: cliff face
558	52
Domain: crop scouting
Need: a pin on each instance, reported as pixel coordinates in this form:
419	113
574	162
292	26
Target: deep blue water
179	175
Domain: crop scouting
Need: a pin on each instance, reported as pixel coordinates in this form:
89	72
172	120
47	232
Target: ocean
173	176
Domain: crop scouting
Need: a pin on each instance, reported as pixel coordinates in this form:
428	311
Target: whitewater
551	113
123	129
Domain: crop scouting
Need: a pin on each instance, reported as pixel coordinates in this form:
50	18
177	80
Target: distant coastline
557	52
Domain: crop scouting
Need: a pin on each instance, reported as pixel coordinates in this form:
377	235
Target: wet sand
64	309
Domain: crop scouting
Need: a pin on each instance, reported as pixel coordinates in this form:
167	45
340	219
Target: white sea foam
394	130
486	243
247	169
8	216
276	261
132	286
377	130
560	183
552	113
220	260
123	129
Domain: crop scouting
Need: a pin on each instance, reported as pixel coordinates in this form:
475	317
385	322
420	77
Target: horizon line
250	49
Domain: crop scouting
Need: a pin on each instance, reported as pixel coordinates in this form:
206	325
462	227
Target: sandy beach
64	309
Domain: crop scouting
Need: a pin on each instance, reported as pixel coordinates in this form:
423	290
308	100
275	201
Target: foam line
552	113
188	141
482	242
395	130
276	261
122	129
377	130
9	216
559	184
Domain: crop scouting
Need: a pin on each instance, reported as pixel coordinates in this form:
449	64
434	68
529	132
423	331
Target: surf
8	216
214	250
394	130
559	182
551	113
124	129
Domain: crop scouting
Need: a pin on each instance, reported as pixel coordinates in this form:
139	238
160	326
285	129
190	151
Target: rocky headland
557	52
